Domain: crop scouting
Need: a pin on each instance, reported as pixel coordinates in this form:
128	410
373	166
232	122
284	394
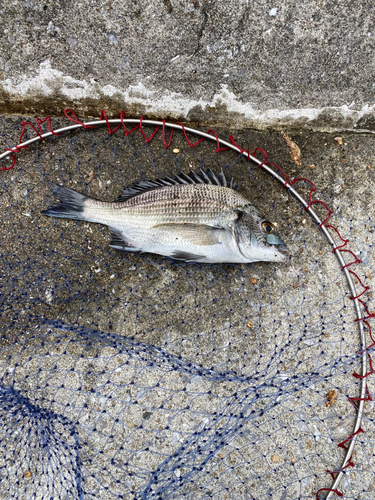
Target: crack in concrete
202	28
168	6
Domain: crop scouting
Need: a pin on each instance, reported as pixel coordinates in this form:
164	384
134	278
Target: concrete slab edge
50	92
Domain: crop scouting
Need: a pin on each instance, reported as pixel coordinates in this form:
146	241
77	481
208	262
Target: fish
194	217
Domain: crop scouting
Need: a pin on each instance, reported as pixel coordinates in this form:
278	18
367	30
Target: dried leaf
295	152
331	398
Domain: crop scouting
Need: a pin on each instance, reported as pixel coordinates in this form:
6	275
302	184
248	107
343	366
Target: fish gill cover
131	376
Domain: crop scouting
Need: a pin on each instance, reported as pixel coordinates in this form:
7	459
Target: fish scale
203	203
196	218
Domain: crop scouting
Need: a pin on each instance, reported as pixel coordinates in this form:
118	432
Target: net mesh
128	376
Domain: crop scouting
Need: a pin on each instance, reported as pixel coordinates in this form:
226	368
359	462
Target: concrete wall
264	63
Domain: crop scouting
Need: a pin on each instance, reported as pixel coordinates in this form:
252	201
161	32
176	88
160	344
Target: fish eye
268	227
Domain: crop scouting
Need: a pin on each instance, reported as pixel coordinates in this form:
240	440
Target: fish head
257	238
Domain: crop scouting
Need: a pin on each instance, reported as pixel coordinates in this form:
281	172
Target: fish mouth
283	249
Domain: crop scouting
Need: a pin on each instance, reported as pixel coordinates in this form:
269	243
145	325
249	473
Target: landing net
131	376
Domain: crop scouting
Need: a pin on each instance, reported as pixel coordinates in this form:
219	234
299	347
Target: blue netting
133	376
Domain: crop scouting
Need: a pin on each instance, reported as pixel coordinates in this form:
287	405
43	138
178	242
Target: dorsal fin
203	177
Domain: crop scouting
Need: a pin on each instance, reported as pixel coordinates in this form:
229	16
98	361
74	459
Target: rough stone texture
258	64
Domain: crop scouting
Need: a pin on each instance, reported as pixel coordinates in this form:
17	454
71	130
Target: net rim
287	185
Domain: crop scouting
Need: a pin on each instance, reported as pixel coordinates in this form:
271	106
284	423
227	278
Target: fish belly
191	244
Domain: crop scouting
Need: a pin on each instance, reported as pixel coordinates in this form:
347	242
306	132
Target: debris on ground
331	398
295	152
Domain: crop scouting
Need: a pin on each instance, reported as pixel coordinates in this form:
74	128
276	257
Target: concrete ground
235	63
131	376
134	377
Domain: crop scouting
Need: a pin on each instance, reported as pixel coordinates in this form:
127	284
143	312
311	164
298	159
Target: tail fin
71	203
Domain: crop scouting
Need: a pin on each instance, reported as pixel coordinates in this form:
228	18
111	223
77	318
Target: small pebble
275	459
253	281
339	141
27	474
175	151
249	324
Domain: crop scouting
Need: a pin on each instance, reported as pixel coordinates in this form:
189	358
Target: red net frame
363	313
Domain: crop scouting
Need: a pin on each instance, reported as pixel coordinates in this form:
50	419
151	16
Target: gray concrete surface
235	63
260	322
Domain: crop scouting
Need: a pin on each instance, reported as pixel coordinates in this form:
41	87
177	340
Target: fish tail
71	204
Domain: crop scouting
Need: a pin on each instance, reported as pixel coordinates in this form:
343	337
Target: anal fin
187	256
118	242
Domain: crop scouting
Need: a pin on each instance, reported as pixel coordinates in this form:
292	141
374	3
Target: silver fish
190	217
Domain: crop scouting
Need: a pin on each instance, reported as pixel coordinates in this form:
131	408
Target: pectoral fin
196	234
